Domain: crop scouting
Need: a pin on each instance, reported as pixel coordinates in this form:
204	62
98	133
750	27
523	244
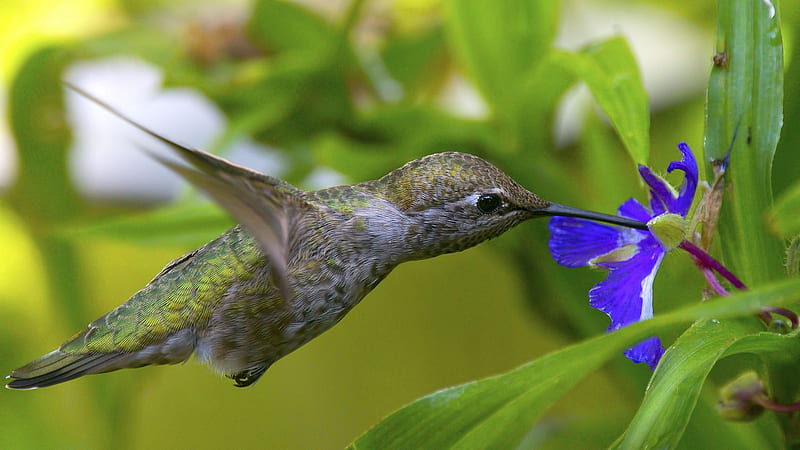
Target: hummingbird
295	264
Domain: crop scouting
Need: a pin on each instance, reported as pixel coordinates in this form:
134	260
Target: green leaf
43	193
284	26
380	141
539	95
787	158
784	217
793	258
184	224
416	61
762	433
142	42
307	95
678	381
499	42
610	71
744	114
602	158
497	412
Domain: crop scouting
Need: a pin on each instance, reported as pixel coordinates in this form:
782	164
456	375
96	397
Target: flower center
670	229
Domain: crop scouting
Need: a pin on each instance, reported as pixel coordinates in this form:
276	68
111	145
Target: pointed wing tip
200	160
84	93
12	387
70	85
18	383
185	152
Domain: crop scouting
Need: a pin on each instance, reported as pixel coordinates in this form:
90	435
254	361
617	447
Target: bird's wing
268	208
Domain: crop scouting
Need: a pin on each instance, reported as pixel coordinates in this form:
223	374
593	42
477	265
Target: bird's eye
488	203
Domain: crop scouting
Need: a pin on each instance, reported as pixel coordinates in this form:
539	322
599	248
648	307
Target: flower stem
789	314
712	281
768	403
707	264
706	260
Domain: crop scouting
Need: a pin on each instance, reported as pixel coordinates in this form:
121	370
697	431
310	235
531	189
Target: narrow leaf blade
610	71
745	114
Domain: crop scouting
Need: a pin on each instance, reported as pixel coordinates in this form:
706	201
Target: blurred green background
356	88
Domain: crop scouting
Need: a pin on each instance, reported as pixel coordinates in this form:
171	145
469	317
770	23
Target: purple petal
688	165
632	209
574	242
627	294
661	197
648	351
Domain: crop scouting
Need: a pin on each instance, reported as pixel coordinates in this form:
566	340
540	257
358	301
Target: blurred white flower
108	161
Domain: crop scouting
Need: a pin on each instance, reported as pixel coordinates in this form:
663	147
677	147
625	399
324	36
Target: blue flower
631	256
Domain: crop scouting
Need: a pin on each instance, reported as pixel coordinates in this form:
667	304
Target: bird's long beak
554	209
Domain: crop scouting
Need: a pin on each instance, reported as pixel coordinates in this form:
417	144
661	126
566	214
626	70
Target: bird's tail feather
58	367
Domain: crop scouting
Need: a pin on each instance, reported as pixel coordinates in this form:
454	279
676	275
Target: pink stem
789	314
712	280
706	260
707	263
764	401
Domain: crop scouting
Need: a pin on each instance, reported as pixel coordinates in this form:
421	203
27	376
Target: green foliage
43	191
182	225
784	219
609	69
499	411
285	27
311	87
745	114
677	383
500	43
